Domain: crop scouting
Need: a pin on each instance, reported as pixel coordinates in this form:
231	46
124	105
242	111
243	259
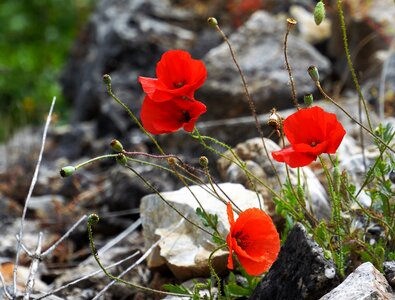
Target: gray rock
301	271
366	282
185	249
258	46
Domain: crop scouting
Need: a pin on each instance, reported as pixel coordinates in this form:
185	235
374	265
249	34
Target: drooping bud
106	79
291	22
121	159
319	13
67	171
212	22
314	74
274	119
308	100
93	219
116	145
203	161
171	161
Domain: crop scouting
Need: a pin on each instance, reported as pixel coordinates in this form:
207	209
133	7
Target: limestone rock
301	271
185	249
258	45
366	282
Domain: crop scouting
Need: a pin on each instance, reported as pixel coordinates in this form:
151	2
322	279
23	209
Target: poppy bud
308	100
121	159
203	161
391	176
314	74
107	79
67	171
93	219
274	119
319	13
116	145
291	21
212	21
171	160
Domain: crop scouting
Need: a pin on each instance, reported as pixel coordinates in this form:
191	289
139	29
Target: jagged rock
185	249
366	282
252	152
301	271
259	48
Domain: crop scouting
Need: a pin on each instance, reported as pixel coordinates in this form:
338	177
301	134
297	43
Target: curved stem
212	270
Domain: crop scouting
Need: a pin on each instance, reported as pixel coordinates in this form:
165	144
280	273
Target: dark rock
258	45
300	272
389	271
366	282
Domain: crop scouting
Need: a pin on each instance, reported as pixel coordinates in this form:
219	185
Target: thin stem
249	100
131	114
32	185
317	83
212	270
350	64
33	268
290	24
90	161
4	286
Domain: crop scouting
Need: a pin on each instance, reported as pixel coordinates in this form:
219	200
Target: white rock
366	283
185	250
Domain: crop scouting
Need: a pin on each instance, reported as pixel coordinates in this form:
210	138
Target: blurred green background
35	39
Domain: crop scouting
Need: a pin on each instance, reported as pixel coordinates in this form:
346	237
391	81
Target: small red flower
169	116
254	239
311	132
178	76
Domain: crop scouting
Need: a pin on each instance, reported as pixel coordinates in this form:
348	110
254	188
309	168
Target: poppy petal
169	116
293	158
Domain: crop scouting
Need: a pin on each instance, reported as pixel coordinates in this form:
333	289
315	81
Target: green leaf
175	288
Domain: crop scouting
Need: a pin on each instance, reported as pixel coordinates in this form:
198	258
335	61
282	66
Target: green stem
95	159
131	114
350	64
212	270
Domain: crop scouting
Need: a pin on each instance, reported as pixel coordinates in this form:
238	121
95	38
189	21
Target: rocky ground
125	38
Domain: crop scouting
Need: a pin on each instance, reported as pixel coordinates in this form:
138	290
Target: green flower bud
314	74
67	171
116	145
308	100
203	161
93	219
106	79
121	159
212	22
319	13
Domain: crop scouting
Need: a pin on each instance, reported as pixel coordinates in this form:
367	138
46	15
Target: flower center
314	143
179	84
242	240
186	117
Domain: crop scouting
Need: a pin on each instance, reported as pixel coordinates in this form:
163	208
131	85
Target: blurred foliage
35	39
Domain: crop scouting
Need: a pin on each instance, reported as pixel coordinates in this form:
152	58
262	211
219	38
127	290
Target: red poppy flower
254	239
311	132
169	116
178	75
